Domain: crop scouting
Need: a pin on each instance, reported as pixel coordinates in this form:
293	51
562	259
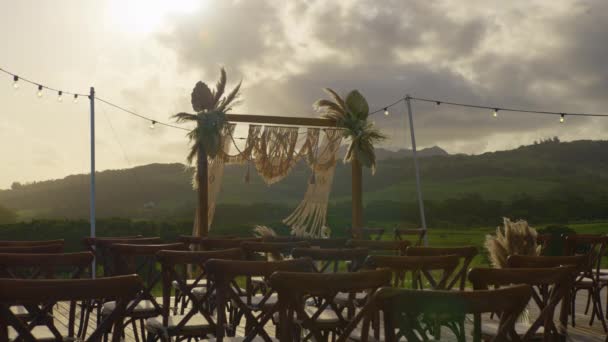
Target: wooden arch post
203	201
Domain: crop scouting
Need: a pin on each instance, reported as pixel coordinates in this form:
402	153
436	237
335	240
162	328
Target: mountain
576	169
383	154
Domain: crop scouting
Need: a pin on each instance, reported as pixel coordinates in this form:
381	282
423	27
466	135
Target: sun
146	16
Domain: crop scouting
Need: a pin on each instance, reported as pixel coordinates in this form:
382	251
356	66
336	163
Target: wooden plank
281	120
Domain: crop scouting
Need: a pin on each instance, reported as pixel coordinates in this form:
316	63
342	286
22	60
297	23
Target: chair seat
199	291
257	299
19	310
342	298
143	307
328	316
190	282
40	333
194	324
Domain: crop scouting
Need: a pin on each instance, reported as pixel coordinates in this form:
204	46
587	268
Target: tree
351	113
211	107
7	216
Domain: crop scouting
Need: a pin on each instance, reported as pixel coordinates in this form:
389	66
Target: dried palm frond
263	231
514	238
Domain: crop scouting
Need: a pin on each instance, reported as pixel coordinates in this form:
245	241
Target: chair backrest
380	247
333	260
174	269
53	265
529	261
593	245
466	254
421	269
294	288
368	233
417	234
46	294
210	244
100	247
270	238
550	286
328	243
403	309
141	259
224	274
272	250
9	243
190	239
52	248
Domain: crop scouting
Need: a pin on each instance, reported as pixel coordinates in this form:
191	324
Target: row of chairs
303	288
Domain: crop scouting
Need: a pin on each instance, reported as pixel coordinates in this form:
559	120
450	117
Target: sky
146	55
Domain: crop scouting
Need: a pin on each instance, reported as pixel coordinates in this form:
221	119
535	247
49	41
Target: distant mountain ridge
165	190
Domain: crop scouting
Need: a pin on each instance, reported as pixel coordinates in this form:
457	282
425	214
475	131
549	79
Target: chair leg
176	300
588	302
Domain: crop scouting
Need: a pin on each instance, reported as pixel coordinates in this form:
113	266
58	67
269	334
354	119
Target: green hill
547	180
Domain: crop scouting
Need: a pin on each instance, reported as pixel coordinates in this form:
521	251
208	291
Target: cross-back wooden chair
100	246
330	260
417	234
46	294
594	246
578	261
24	243
44	266
272	251
139	259
550	286
209	244
374	234
403	309
466	254
423	273
198	321
380	247
258	309
53	248
302	322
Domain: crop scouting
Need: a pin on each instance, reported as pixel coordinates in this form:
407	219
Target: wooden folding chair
594	246
327	243
258	309
198	321
139	259
404	310
47	294
374	234
333	260
550	286
417	233
302	322
466	254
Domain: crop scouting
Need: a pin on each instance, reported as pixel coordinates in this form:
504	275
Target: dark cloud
533	56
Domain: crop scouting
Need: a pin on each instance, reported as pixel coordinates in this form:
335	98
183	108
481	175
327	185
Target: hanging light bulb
562	118
438	103
153	124
495	113
386	111
16	82
60	96
39	91
75	98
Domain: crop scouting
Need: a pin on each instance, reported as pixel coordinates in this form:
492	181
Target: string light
15	81
153	124
495	113
562	118
75	98
438	103
60	96
386	113
39	91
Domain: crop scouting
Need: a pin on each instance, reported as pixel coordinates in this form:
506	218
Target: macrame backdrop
272	150
309	219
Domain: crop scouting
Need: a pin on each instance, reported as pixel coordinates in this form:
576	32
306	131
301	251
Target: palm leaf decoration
351	113
210	107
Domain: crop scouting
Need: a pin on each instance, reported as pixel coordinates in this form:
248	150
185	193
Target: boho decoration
514	238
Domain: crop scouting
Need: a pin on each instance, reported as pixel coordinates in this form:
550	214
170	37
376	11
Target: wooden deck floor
582	332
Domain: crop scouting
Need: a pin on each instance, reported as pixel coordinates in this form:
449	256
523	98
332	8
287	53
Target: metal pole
417	170
92	191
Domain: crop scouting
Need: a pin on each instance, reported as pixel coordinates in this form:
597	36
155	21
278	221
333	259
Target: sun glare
145	16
